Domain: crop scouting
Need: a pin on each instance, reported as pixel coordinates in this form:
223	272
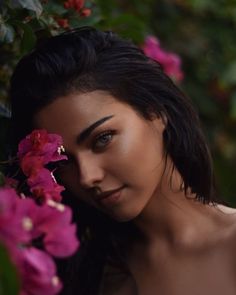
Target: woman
139	175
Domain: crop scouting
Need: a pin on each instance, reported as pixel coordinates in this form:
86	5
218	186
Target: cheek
136	157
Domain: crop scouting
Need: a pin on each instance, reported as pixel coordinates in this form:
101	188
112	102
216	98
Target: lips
107	194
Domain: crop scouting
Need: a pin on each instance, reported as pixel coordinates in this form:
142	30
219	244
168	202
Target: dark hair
87	59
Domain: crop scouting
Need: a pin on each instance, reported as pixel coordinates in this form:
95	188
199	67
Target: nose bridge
90	170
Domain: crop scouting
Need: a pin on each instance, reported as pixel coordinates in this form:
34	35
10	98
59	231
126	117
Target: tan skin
186	247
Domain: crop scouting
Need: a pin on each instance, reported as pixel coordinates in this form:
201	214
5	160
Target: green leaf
28	40
233	107
229	76
6	33
129	26
85	21
54	8
9	281
33	5
200	5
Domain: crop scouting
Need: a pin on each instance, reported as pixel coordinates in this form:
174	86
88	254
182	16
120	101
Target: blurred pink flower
59	234
38	272
170	62
32	232
22	221
85	12
53	223
63	22
12	231
75	4
10	182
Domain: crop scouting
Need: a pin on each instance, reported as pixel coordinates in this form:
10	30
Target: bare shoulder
228	234
231	212
228	221
227	218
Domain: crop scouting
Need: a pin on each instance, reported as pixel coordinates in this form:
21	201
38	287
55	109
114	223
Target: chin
124	216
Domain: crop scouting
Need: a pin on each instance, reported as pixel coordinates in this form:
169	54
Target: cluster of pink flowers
170	62
78	6
34	152
33	232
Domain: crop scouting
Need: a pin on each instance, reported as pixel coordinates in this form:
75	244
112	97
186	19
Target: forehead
70	114
80	106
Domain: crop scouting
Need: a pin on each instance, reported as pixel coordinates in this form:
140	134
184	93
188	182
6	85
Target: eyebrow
87	131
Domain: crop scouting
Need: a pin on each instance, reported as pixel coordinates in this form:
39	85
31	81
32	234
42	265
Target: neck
171	215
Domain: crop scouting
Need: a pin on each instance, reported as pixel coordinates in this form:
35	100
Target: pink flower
85	12
41	144
170	62
75	4
44	187
26	226
10	182
63	23
59	234
38	272
12	231
34	152
42	194
22	221
31	164
50	224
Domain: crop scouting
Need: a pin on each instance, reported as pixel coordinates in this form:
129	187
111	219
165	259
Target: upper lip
107	193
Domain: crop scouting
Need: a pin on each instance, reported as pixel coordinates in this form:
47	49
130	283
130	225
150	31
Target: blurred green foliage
201	32
9	281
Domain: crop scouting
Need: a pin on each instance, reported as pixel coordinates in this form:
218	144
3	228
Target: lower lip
111	199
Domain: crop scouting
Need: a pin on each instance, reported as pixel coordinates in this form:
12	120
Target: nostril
90	170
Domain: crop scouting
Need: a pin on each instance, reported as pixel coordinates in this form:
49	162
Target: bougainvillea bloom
63	22
22	221
31	164
38	273
35	151
86	12
10	182
59	234
12	231
42	144
24	226
74	4
33	233
43	186
170	62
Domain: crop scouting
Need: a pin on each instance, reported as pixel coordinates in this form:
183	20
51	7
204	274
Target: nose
90	172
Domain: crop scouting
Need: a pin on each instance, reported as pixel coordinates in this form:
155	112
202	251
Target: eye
103	139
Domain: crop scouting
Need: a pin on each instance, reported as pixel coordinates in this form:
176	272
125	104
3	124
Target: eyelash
65	163
100	136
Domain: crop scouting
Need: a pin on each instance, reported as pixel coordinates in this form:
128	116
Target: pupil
105	138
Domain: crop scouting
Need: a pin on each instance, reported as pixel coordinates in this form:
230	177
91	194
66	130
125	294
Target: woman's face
110	147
